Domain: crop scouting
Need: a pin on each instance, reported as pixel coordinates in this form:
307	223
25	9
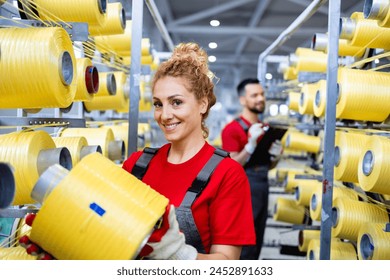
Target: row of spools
360	221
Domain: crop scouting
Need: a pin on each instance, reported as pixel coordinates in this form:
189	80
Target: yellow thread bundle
339	250
319	100
67	227
293	100
376	162
82	93
117	43
114	23
304	238
71	10
95	136
15	253
74	145
308	94
107	85
345	49
287	210
121	131
118	102
304	191
21	150
373	242
31	68
364	95
290	73
304	142
310	60
351	215
349	147
338	191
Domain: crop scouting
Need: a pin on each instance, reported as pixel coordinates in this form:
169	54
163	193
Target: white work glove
276	150
255	133
167	242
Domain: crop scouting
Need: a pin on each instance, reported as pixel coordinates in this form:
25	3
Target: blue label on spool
96	208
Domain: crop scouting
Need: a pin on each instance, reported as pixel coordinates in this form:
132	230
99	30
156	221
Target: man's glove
167	242
255	133
276	150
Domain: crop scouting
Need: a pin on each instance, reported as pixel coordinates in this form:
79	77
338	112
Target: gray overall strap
244	126
184	213
142	163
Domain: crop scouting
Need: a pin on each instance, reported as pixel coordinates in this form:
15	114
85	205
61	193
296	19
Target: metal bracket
78	31
27	121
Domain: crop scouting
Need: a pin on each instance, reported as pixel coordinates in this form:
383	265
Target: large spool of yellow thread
119	101
73	144
338	191
349	215
92	12
320	43
304	142
287	210
374	165
290	74
307	98
118	43
115	21
373	242
339	250
377	10
349	147
107	84
319	100
37	69
363	95
308	60
87	80
103	137
15	253
101	212
304	238
121	132
23	150
293	100
361	32
304	191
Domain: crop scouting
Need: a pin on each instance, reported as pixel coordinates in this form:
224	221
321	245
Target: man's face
254	99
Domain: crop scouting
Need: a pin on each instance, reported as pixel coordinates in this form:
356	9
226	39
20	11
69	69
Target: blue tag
99	210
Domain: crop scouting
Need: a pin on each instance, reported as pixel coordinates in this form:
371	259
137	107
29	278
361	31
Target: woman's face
176	109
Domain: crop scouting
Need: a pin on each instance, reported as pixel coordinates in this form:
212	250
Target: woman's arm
221	252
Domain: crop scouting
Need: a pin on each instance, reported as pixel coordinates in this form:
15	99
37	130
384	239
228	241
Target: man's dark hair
243	83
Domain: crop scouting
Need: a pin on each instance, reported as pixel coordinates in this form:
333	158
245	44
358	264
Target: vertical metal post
330	127
135	73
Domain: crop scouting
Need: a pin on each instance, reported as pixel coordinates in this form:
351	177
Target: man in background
240	137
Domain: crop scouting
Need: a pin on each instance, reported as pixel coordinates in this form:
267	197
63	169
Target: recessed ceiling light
213	45
268	76
212	58
214	22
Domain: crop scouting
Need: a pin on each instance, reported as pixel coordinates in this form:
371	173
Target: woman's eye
177	102
157	104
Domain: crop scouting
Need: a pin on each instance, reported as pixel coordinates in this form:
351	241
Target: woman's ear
203	105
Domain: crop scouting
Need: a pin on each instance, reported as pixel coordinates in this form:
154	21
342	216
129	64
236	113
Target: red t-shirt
223	212
233	137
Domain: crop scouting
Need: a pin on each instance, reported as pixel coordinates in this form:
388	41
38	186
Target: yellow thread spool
74	145
339	250
119	101
293	101
304	238
374	165
118	43
309	60
304	191
115	22
287	210
25	151
338	191
145	102
377	10
101	212
307	97
304	142
15	253
121	132
107	85
349	147
364	33
87	80
373	242
363	95
320	43
37	68
103	137
92	12
319	100
290	74
349	215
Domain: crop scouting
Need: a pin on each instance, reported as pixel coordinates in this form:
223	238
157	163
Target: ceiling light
268	76
213	45
212	58
214	22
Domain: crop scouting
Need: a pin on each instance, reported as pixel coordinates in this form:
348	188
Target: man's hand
276	150
167	242
255	133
